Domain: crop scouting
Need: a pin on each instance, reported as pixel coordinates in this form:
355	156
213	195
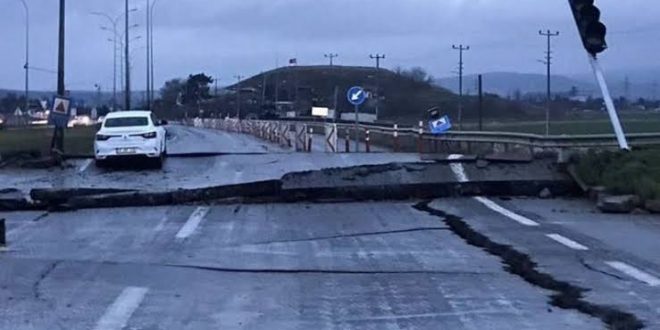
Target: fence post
395	138
420	140
347	139
3	237
366	141
309	139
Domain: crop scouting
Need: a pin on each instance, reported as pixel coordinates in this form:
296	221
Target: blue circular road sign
356	95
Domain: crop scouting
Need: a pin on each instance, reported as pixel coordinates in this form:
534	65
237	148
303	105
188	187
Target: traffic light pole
609	104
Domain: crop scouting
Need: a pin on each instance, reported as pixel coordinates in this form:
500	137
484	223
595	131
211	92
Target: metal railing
419	139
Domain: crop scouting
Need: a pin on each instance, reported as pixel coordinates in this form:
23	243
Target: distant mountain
642	83
509	83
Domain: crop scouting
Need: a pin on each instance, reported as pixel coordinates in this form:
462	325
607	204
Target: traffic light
592	30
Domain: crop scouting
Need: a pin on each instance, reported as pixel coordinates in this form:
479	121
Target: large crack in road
565	296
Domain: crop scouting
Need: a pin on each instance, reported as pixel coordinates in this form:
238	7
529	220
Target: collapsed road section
366	182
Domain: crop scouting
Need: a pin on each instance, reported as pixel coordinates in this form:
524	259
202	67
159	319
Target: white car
129	134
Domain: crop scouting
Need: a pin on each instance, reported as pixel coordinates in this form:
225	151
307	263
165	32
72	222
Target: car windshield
126	122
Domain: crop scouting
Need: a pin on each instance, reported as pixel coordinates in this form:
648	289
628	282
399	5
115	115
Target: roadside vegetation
636	172
36	141
649	123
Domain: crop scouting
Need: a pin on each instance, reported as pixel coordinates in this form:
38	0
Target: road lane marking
457	168
634	273
193	222
567	242
85	165
161	224
118	314
509	214
459	172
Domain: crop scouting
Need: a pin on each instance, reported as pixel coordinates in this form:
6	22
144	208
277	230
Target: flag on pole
293	61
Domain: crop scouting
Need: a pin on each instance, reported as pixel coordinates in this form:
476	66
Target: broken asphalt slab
368	182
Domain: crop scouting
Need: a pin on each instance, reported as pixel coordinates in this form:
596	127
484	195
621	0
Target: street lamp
113	22
27	55
150	50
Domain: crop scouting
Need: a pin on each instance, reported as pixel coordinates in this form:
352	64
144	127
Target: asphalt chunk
565	296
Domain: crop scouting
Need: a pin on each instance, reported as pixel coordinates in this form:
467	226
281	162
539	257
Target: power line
460	49
548	63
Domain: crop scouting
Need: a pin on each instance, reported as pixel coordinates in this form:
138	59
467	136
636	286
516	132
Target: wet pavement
240	158
302	266
450	263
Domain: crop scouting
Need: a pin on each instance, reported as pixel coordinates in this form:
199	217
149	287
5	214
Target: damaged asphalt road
316	241
449	263
389	181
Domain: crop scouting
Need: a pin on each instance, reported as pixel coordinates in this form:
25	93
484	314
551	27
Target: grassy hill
405	95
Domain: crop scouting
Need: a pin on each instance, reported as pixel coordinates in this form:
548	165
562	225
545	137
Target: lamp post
114	22
150	45
27	55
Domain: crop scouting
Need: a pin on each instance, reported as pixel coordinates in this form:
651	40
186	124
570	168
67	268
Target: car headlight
150	135
101	137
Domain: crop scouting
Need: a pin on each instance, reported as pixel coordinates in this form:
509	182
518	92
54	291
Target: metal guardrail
505	140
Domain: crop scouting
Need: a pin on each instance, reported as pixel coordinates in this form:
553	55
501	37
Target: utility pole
481	103
127	64
150	44
460	49
626	88
331	56
377	57
57	143
238	96
548	63
148	91
27	55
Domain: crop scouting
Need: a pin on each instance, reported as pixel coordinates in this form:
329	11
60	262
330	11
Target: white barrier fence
299	135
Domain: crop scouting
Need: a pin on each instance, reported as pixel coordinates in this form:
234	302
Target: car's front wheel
158	162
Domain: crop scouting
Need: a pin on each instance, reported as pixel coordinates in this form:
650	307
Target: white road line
567	242
84	165
118	314
161	224
509	214
193	222
634	273
459	172
457	168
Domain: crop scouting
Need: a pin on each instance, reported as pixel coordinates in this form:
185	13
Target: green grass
636	172
581	127
77	141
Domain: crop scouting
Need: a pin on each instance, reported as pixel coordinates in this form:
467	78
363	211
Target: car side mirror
163	123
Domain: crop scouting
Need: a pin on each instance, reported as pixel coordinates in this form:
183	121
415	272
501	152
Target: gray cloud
227	37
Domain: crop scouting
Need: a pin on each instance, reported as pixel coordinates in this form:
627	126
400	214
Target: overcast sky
228	37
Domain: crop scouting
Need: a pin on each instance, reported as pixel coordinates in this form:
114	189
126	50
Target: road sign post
356	130
356	96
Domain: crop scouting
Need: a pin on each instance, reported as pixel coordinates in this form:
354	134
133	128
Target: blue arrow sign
440	126
356	95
